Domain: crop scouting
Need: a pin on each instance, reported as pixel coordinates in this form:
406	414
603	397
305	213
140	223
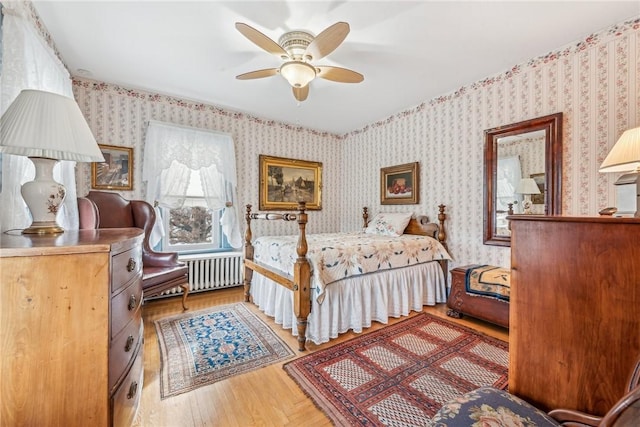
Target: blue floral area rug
206	346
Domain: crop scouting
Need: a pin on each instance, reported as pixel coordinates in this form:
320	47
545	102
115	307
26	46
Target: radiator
212	271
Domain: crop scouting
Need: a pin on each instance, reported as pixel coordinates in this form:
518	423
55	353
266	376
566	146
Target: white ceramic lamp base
526	205
43	197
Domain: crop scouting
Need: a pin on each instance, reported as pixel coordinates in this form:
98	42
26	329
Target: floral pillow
388	224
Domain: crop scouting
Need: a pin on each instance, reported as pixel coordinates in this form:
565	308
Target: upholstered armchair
490	406
161	271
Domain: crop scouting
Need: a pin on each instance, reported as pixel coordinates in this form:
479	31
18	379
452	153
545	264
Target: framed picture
285	182
116	172
538	199
399	184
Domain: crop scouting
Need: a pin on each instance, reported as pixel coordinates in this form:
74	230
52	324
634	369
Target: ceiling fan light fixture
298	73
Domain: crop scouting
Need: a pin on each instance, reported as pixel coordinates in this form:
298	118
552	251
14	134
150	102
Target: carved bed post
442	237
248	255
442	234
365	217
302	279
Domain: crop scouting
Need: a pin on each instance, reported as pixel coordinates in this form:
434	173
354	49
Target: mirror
515	157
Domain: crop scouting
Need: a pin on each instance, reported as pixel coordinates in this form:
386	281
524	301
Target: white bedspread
353	303
336	256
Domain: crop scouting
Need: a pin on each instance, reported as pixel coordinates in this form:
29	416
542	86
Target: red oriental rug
401	374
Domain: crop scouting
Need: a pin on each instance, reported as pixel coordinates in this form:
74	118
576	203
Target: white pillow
388	224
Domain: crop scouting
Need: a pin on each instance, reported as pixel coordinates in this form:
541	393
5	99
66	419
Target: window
193	227
191	177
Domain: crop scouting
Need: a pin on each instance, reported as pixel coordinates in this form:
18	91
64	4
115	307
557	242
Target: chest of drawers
71	328
575	310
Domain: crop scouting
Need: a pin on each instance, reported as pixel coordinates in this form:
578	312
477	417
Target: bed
321	285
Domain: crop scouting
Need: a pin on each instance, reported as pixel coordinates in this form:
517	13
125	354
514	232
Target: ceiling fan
299	49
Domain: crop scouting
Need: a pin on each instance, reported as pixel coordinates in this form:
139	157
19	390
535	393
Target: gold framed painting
399	185
116	172
285	182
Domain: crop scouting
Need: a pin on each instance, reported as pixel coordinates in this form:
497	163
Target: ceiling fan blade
327	41
261	40
338	74
258	74
301	93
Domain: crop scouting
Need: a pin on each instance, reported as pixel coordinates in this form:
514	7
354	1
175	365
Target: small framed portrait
116	172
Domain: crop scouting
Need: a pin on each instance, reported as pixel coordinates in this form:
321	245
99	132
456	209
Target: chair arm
160	259
569	417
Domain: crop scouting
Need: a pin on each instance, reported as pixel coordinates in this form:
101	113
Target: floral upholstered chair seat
487	406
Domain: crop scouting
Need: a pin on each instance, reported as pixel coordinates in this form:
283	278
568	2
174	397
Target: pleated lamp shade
625	154
527	186
45	124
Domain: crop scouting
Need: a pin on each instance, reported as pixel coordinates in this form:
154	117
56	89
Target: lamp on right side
625	157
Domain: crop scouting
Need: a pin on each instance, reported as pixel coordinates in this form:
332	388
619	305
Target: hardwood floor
265	397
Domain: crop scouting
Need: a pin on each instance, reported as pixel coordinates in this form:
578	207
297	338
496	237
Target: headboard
420	225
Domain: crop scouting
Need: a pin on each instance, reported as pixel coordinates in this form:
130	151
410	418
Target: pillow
388	224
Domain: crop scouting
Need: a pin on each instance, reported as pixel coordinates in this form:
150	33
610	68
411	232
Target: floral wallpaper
595	82
119	116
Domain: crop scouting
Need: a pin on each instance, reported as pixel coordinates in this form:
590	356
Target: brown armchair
161	271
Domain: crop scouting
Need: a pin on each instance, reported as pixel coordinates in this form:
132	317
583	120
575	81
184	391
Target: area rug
201	347
401	374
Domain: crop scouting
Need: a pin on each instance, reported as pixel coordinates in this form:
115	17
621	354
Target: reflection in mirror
522	173
520	157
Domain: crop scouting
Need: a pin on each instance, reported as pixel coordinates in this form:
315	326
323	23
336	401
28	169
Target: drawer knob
129	344
131	265
133	389
132	302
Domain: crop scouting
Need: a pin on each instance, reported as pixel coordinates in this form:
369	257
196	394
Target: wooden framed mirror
530	150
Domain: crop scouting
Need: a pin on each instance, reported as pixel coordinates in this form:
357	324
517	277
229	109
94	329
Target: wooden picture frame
399	185
116	172
284	182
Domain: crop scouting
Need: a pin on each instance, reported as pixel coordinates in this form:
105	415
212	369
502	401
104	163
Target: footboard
301	283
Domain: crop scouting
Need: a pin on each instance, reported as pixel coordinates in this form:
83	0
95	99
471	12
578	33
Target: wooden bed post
442	234
302	279
248	254
365	217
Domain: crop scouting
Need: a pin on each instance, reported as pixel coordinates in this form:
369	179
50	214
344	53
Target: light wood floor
265	397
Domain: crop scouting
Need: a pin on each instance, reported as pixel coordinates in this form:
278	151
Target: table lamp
625	157
46	127
527	186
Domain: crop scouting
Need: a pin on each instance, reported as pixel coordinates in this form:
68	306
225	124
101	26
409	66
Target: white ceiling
409	52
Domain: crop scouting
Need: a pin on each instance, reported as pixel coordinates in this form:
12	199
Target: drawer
125	266
123	348
125	307
126	399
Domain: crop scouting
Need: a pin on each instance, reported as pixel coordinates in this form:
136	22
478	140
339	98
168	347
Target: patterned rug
201	347
401	374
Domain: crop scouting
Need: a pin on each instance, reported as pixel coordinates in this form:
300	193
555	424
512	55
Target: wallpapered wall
594	82
119	116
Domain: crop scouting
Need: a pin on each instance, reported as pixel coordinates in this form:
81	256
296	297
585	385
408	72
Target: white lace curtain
172	151
29	63
509	175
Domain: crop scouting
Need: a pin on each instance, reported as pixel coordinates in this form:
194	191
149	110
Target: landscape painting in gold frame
116	172
285	182
399	185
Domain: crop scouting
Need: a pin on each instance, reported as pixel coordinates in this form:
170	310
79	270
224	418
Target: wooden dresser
575	310
71	328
